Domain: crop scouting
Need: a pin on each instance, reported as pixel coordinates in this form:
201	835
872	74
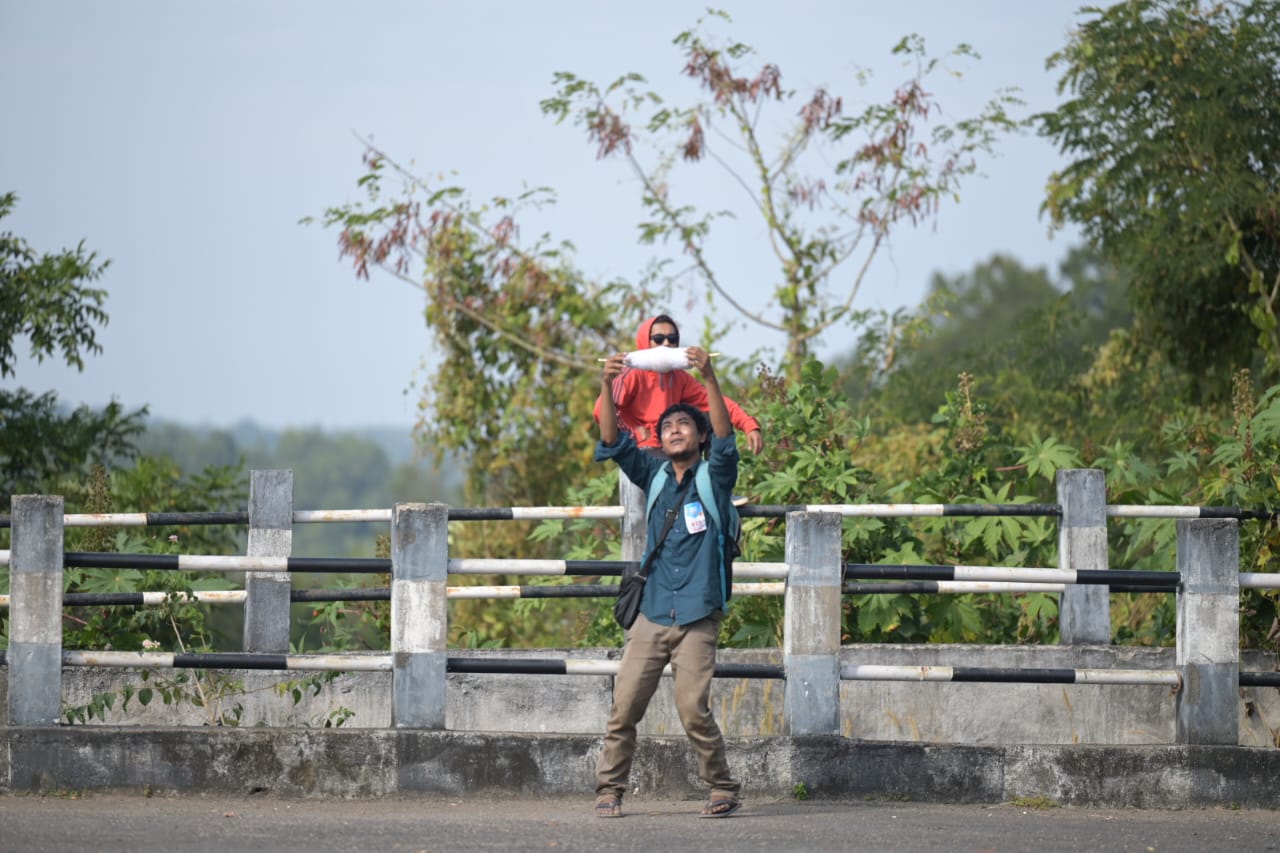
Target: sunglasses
661	340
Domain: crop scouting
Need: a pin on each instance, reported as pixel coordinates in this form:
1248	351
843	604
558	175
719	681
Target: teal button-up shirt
684	581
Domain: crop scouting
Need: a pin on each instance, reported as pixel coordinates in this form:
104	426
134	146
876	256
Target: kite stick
709	355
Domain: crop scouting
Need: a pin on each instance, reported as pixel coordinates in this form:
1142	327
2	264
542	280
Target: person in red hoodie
640	396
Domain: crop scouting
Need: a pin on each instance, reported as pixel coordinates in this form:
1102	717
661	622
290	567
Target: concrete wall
910	712
360	763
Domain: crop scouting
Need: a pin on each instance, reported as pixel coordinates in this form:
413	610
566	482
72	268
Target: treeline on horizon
332	469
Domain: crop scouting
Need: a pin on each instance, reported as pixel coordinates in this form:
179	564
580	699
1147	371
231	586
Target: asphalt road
106	823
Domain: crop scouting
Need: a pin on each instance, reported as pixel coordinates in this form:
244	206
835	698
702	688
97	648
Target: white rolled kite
659	359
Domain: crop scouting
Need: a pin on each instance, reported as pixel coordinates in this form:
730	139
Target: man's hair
663	318
700	421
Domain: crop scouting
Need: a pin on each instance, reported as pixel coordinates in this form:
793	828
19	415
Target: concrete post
419	614
35	612
811	639
1208	652
266	605
1084	611
634	532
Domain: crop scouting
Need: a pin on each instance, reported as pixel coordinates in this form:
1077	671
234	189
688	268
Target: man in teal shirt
684	598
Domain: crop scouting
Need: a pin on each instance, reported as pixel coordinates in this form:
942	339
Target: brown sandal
608	805
720	807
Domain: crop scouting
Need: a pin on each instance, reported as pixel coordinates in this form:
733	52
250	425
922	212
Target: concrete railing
1207	653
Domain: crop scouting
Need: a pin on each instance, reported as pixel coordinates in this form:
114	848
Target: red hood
642	333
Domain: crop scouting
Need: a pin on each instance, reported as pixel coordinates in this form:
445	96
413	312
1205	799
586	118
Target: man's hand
755	441
700	360
613	367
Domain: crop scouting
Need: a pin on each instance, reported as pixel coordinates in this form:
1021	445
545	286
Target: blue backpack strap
655	487
702	482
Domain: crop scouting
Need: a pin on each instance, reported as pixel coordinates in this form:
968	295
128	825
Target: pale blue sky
184	141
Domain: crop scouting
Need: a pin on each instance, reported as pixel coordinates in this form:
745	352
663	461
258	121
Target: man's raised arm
613	367
719	412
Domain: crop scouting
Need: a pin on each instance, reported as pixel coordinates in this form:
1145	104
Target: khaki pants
691	651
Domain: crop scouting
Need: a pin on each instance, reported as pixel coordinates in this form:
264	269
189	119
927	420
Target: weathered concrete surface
369	763
987	714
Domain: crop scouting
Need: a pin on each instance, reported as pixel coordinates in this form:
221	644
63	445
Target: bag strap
655	488
666	525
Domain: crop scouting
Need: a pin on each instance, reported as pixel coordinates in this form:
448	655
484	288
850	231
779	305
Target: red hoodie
640	396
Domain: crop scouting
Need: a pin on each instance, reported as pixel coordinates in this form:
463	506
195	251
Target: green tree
46	298
826	187
1028	339
518	327
1173	133
969	323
